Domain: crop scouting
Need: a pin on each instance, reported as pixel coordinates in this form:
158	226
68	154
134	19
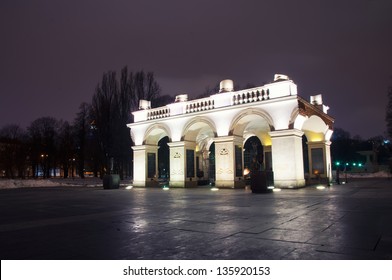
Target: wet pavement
352	221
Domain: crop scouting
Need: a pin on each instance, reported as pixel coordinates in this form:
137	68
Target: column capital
286	132
186	144
233	138
145	148
320	143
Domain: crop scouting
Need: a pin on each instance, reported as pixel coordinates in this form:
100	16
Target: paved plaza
351	221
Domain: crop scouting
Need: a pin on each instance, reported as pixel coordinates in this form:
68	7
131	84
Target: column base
182	184
289	184
146	184
139	183
228	184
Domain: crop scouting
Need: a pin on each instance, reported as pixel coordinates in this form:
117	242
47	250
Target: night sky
53	53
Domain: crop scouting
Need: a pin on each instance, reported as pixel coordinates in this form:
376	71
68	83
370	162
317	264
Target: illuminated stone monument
206	137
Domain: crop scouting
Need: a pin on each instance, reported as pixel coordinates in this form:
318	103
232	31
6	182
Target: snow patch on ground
13	184
55	182
379	174
97	182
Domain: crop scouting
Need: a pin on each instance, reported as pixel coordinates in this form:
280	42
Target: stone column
145	167
320	159
182	164
287	158
228	166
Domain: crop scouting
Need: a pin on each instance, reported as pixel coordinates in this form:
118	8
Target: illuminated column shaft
145	165
287	158
320	159
182	164
228	169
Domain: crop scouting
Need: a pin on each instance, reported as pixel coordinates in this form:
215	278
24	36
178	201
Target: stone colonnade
279	120
286	152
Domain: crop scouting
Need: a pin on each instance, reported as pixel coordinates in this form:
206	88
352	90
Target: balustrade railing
218	101
242	97
199	105
158	113
204	104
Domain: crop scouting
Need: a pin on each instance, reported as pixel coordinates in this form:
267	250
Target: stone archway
273	113
318	134
189	158
145	156
253	122
202	132
156	132
256	125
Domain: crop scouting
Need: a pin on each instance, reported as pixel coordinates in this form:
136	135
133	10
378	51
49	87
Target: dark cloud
53	53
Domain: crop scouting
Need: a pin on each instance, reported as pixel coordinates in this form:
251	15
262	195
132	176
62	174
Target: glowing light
129	187
320	187
214	189
276	190
360	164
165	188
271	187
246	171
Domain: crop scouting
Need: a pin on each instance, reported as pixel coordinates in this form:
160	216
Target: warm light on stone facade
274	113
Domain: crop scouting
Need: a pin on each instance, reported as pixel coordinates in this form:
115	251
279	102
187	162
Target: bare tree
143	86
209	91
13	151
65	149
104	113
111	109
42	134
81	126
162	100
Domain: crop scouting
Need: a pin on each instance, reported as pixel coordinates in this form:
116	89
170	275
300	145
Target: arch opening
315	129
253	153
155	133
253	123
202	132
163	159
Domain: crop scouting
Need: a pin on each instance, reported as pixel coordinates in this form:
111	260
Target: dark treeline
97	142
346	149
